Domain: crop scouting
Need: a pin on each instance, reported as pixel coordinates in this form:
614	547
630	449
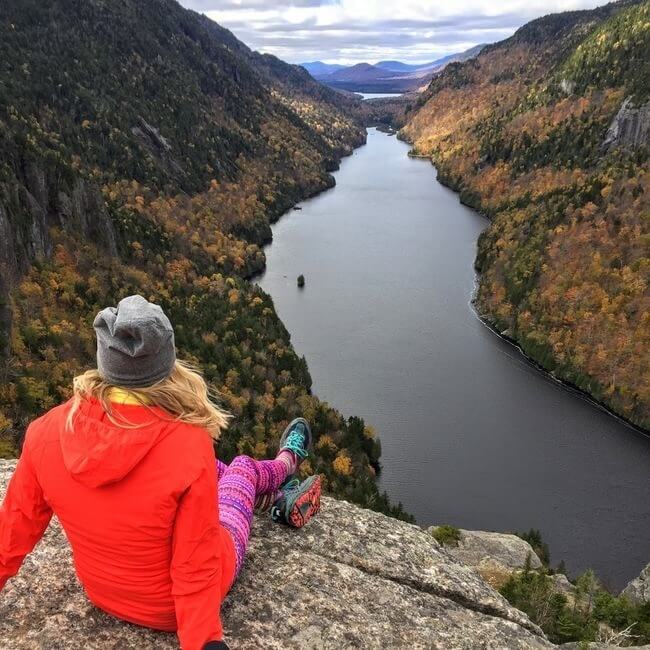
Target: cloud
351	31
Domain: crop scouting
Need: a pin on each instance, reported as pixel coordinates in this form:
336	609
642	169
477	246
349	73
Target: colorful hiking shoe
297	438
299	502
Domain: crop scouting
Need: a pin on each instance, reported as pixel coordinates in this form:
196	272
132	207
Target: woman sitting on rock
158	527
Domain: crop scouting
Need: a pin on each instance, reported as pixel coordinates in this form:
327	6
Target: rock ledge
495	556
350	579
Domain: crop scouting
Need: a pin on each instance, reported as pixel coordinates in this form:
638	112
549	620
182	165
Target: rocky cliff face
631	126
351	579
37	202
638	590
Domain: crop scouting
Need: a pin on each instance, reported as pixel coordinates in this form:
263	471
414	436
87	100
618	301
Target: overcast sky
351	31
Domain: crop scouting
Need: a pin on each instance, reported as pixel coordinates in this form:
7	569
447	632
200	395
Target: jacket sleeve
24	516
196	559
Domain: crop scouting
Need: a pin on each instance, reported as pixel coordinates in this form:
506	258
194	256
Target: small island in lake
301	280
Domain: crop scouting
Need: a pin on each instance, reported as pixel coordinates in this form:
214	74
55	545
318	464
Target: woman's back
116	491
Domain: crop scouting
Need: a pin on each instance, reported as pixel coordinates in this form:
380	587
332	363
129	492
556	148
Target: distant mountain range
319	68
384	76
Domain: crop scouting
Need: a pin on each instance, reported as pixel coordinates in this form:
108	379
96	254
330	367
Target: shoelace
295	443
290	485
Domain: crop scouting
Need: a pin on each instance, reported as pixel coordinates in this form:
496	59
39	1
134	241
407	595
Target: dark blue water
472	434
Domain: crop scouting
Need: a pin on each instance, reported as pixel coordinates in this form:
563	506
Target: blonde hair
184	395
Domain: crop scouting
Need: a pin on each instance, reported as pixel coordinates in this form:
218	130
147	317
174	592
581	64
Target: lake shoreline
450	408
274	218
491	325
564	383
484	319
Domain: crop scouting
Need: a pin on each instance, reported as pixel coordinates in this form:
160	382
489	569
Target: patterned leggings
239	485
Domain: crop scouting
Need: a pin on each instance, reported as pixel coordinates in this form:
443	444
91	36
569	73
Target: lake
378	95
472	434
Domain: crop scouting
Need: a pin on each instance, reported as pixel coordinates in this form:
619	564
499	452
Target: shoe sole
306	505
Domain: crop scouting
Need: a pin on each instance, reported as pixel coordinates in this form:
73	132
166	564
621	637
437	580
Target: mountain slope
522	132
144	149
316	104
461	56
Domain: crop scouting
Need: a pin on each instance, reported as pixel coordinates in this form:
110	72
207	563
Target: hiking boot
297	438
299	502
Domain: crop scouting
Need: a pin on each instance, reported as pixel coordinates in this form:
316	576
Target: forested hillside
523	133
144	149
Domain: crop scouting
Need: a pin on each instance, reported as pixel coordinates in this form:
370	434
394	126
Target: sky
354	31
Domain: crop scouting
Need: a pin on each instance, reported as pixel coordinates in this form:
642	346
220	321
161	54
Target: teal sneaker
299	502
297	438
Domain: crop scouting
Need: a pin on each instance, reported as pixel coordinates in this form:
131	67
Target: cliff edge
352	578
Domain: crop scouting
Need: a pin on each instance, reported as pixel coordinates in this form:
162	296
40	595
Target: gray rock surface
562	585
638	590
158	146
494	555
630	128
350	579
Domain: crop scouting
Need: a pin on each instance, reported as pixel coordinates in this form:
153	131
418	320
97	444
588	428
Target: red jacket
139	508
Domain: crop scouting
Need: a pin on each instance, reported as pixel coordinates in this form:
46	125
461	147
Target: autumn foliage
147	151
519	132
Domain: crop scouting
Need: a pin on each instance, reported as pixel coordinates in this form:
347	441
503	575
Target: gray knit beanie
135	343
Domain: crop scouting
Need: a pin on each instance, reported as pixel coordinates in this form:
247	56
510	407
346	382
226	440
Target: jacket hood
98	452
